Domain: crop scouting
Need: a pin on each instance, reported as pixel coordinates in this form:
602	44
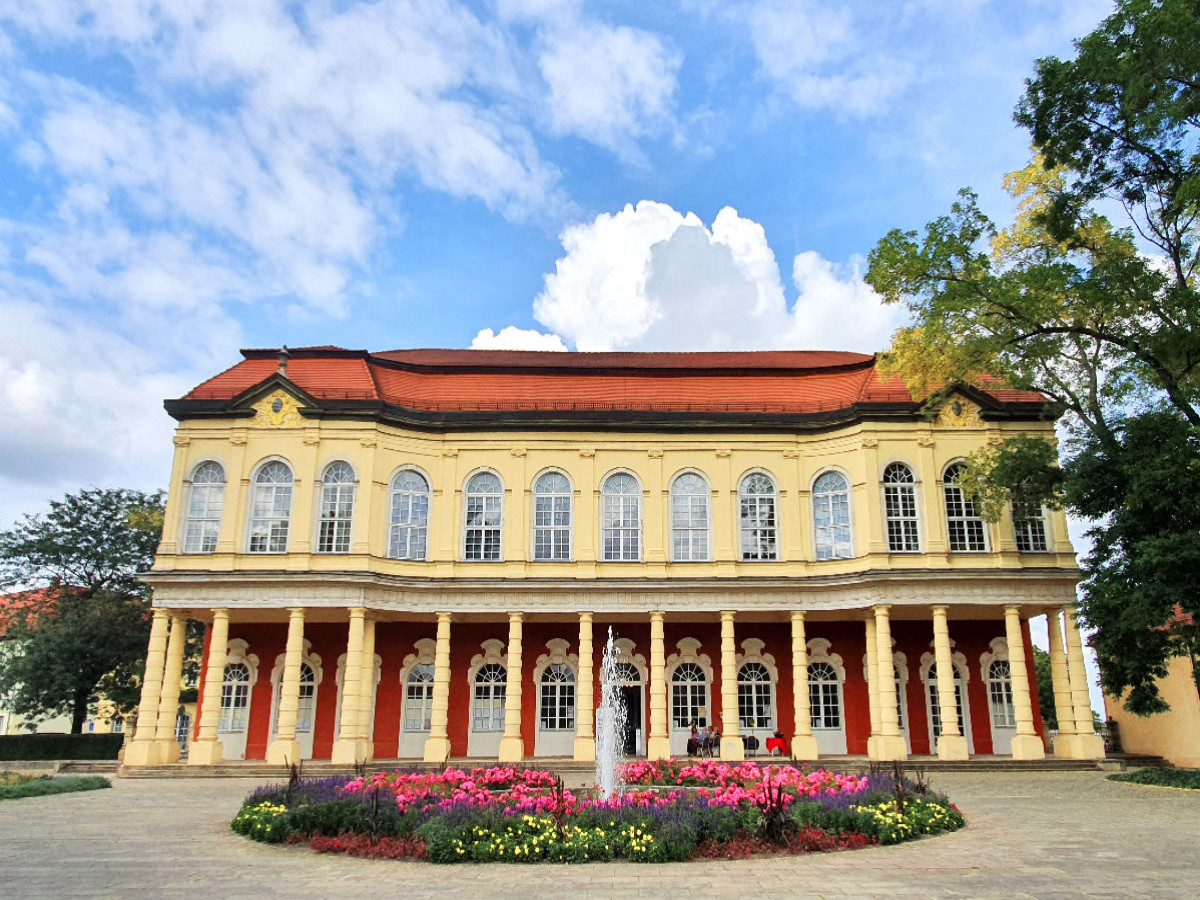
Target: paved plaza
1040	834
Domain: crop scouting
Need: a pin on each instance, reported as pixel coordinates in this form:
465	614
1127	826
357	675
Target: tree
87	631
1103	320
1045	686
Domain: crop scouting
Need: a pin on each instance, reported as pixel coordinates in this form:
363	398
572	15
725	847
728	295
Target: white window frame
484	528
622	530
835	549
1031	530
552	530
396	528
966	519
750	534
896	494
564	705
494	700
685	537
692	690
255	487
330	496
1003	711
208	525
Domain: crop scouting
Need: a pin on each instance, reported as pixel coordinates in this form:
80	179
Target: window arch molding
233	713
558	654
758	516
492	703
483	541
272	537
966	527
621	541
335	501
683	696
204	509
308	705
834	540
628	653
752	655
416	698
408	538
545	518
237	650
691	541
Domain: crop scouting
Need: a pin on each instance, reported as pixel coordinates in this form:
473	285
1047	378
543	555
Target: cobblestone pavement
1041	834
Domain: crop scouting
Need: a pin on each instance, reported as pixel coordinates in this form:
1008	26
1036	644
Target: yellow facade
1175	734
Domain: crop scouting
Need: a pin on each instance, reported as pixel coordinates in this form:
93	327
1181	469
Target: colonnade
154	740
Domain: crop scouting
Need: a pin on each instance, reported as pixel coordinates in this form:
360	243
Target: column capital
220	614
727	615
585	617
445	616
939	609
297	612
797	615
516	616
656	615
1012	609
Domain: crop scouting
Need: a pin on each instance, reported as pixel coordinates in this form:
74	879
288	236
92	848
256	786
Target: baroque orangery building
420	554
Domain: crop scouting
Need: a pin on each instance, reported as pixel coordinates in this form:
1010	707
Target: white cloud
513	338
651	278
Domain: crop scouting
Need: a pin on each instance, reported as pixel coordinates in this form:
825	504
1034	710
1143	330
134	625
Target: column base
585	749
953	747
348	752
283	753
658	748
205	753
1028	746
512	749
873	747
890	747
1079	746
804	746
437	749
141	753
368	751
169	752
732	748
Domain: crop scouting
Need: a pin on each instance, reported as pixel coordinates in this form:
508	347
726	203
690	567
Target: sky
182	179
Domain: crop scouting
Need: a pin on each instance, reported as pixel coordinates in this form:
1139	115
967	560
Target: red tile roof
782	381
22	604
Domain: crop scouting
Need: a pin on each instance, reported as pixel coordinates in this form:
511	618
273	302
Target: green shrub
41	787
1189	779
266	822
60	746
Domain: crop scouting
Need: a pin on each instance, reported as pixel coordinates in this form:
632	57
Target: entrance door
631	696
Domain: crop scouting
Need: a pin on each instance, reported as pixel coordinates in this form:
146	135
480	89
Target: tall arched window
754	696
206	496
1000	694
964	525
485	509
823	699
558	698
756	517
491	682
308	700
337	508
688	696
899	695
935	707
271	508
235	697
621	518
900	509
418	698
552	517
409	536
1029	526
689	518
831	516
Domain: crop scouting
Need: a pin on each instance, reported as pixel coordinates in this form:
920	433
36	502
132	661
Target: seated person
695	738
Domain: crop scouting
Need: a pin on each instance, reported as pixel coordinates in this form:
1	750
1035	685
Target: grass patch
14	787
1188	779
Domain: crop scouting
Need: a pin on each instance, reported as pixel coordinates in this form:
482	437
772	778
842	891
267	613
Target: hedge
60	746
40	787
1189	779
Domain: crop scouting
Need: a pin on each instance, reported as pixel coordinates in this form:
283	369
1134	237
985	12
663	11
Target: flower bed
673	811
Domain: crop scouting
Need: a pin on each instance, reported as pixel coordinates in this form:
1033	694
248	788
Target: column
1063	707
659	744
951	744
512	749
347	749
1085	744
804	744
168	702
1025	743
732	748
207	749
141	750
585	704
891	744
873	686
366	690
437	745
285	749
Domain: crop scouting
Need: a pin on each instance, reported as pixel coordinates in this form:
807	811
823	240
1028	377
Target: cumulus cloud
513	338
652	278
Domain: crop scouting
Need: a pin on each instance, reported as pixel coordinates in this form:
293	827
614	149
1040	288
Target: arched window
308	700
754	696
1029	526
206	496
491	682
235	697
409	535
485	505
756	517
900	509
552	517
1000	694
899	696
622	518
964	525
831	516
627	673
418	698
935	707
337	508
271	508
823	698
688	696
689	518
558	698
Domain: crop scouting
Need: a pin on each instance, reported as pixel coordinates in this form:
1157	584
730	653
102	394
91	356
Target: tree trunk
79	711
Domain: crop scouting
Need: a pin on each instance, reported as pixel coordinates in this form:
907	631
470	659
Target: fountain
610	724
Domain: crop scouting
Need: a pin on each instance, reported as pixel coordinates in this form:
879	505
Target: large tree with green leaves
83	626
1090	296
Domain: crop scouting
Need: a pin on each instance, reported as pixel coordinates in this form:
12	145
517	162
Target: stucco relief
959	412
278	409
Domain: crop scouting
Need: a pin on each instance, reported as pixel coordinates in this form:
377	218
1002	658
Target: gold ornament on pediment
959	412
278	409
